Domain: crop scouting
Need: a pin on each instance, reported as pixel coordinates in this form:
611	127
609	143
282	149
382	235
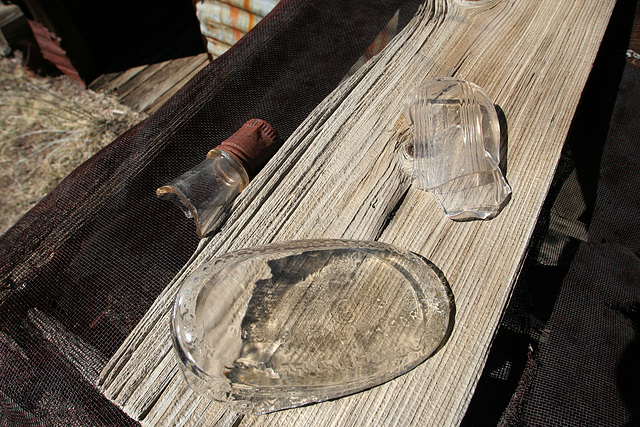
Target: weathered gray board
344	172
146	87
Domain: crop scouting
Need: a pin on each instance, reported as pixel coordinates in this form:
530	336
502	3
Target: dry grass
48	126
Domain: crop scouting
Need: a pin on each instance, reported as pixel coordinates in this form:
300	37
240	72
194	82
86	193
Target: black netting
80	269
568	349
587	370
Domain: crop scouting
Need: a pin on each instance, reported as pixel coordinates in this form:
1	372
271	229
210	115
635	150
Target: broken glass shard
456	145
287	324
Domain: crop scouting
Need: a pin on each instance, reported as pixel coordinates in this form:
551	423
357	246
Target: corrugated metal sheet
224	22
52	50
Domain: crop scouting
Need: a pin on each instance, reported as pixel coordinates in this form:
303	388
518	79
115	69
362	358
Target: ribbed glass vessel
456	138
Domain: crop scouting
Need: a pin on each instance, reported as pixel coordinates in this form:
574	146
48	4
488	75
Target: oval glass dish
287	324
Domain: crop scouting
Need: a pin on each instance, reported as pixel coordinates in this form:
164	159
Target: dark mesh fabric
568	350
587	371
80	269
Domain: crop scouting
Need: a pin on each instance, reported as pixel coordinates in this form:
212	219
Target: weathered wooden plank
145	88
161	81
111	82
187	72
137	81
344	173
13	27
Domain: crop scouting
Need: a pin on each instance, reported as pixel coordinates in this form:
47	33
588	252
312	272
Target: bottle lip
237	164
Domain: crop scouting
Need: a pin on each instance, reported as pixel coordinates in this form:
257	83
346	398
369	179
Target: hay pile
48	126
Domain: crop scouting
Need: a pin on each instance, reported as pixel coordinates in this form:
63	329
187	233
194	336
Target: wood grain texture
145	88
345	174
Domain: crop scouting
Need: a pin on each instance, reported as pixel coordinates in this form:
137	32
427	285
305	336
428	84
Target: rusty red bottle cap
253	144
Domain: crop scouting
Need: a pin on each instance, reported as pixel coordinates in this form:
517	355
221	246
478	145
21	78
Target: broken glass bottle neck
206	192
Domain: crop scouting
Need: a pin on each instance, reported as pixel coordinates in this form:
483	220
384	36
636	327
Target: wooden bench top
345	174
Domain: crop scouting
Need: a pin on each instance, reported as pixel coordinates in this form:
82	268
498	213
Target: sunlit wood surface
345	174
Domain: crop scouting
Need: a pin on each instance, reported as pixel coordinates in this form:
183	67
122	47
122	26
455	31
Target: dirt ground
48	126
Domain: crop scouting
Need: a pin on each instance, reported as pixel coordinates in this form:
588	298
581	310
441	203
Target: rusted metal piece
206	191
253	144
51	48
